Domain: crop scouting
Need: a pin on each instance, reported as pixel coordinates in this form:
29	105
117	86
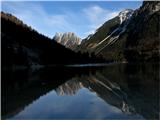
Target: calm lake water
113	91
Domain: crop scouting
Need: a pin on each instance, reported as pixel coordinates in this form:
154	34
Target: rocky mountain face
70	87
143	40
69	39
131	36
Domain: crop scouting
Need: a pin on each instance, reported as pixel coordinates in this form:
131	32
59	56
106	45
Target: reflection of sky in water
84	104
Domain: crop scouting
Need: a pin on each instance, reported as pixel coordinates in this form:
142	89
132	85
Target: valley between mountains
112	73
132	36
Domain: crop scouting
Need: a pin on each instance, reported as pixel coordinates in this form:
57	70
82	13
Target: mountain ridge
114	39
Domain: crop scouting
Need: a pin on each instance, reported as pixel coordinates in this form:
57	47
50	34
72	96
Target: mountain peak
125	14
68	39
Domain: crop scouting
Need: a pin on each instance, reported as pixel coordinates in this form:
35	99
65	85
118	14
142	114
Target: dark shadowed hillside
21	45
143	41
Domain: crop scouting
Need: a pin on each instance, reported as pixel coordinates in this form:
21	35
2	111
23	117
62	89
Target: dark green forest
22	45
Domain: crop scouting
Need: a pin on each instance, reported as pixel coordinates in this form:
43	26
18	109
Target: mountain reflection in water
124	91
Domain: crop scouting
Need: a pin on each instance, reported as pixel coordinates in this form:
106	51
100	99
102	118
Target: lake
108	91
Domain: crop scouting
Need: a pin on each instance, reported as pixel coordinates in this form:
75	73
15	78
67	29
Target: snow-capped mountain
71	87
108	33
128	32
125	15
69	39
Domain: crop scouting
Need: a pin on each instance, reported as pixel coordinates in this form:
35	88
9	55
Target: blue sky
81	17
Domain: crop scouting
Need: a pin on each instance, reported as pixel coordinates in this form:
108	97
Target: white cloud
36	16
97	16
84	22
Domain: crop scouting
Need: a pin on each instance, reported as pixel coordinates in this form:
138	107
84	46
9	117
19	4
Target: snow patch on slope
125	14
124	17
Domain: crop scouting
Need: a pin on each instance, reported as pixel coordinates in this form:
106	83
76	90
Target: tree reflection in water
132	88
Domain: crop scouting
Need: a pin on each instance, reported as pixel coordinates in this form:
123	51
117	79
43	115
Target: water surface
115	91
